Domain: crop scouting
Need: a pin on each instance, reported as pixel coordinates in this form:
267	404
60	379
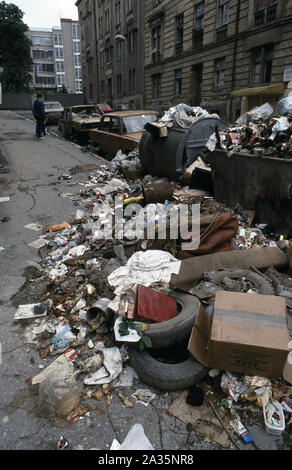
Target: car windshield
137	123
85	112
53	106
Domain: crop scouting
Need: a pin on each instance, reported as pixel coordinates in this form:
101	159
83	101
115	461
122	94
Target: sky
46	13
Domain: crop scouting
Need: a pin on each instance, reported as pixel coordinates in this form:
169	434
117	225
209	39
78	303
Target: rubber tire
177	329
163	376
261	284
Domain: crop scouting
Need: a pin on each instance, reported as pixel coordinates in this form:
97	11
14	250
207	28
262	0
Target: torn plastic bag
135	440
285	106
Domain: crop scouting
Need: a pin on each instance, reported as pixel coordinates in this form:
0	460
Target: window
102	88
219	67
198	33
77	60
118	13
129	6
118	50
41	54
156	43
119	84
61	80
58	39
41	40
131	41
45	80
60	66
76	47
199	19
156	85
78	86
261	65
179	25
132	79
178	82
223	13
75	31
59	53
44	67
77	73
107	20
100	26
265	11
108	51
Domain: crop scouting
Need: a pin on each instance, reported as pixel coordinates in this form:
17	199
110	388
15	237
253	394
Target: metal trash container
263	184
170	156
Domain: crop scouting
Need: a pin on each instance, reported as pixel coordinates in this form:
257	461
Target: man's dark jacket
39	109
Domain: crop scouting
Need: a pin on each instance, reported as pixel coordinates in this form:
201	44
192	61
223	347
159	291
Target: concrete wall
24	101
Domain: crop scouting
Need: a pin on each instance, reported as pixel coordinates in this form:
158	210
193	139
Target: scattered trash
135	440
62	443
32	311
241	431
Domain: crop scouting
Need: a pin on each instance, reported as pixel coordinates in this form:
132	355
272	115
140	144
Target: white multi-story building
56	57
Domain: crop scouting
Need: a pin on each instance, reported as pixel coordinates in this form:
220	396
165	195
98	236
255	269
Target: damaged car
121	130
78	120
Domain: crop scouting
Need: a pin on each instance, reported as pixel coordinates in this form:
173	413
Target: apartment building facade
224	55
112	38
56	57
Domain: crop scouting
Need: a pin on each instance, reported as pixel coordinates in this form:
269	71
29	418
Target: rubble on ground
84	319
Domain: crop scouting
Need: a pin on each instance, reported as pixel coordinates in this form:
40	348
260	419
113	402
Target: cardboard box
247	333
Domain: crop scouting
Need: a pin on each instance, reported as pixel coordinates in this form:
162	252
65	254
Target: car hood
134	135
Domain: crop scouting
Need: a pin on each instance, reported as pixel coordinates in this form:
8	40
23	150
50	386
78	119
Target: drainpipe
96	50
234	56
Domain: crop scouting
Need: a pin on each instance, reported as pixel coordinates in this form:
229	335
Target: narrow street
39	194
36	196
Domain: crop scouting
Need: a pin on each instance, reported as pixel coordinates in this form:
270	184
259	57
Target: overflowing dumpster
170	156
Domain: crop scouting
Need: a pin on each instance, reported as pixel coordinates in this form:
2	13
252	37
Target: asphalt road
36	194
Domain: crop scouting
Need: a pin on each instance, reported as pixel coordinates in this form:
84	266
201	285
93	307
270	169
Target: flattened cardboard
194	268
287	373
248	334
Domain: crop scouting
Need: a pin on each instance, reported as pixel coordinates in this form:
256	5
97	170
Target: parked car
105	108
121	130
121	107
78	120
53	110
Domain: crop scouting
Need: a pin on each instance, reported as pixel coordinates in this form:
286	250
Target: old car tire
166	376
177	329
259	282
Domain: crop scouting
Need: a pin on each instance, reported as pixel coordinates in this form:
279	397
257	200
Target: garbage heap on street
210	322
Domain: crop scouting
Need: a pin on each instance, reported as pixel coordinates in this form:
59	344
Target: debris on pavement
110	294
135	440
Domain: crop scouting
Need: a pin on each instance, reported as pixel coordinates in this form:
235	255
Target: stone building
224	55
112	37
56	57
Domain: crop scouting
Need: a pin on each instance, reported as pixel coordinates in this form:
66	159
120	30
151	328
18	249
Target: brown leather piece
216	234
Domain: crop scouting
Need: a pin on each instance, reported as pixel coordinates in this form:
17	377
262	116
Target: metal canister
100	307
157	191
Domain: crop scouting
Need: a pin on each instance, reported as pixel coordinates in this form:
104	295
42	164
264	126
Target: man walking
39	115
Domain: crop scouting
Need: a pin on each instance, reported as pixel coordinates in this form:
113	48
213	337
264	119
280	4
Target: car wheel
157	372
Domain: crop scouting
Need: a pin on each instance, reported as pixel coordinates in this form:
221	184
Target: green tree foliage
14	50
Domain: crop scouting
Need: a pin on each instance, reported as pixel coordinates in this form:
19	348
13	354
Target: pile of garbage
258	134
111	296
